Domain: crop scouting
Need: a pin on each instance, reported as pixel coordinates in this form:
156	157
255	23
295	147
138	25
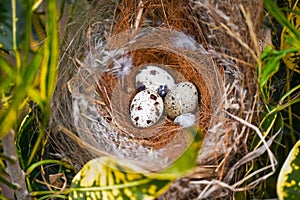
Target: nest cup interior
119	92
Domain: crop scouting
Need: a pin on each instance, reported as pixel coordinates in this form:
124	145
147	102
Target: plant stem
288	88
14	37
17	176
50	193
45	162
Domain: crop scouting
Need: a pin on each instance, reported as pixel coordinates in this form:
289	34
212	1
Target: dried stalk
17	175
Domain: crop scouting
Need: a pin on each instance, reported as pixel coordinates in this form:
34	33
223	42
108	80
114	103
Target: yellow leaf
288	183
107	178
292	60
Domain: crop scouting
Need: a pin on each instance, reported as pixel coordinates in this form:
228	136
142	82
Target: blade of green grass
289	93
280	17
51	52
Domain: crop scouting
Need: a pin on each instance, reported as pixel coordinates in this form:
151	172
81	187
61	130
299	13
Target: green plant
111	178
28	78
280	105
28	71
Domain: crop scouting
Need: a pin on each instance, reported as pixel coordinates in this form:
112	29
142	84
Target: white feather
185	120
122	63
183	41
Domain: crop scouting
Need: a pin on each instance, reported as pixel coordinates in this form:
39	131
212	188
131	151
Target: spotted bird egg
146	108
155	78
183	98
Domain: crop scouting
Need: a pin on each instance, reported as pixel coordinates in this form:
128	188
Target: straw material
209	43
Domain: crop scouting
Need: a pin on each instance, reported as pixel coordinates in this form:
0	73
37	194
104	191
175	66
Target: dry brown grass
223	71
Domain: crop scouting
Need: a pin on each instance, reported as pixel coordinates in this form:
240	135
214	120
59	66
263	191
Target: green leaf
288	40
106	178
288	93
7	75
6	24
292	61
26	138
271	62
189	159
271	124
280	17
109	178
51	53
269	70
288	183
20	95
44	63
270	65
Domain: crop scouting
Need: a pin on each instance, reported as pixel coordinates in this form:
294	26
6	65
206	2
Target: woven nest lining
211	57
102	91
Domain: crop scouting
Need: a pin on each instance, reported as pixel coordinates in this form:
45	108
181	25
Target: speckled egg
146	108
183	98
155	78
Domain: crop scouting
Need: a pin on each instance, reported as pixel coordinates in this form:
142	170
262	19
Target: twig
139	15
17	175
259	133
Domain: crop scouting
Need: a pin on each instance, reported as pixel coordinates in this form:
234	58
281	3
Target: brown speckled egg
183	98
146	108
153	77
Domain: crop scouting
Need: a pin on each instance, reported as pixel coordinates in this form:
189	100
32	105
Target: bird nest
105	85
203	42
